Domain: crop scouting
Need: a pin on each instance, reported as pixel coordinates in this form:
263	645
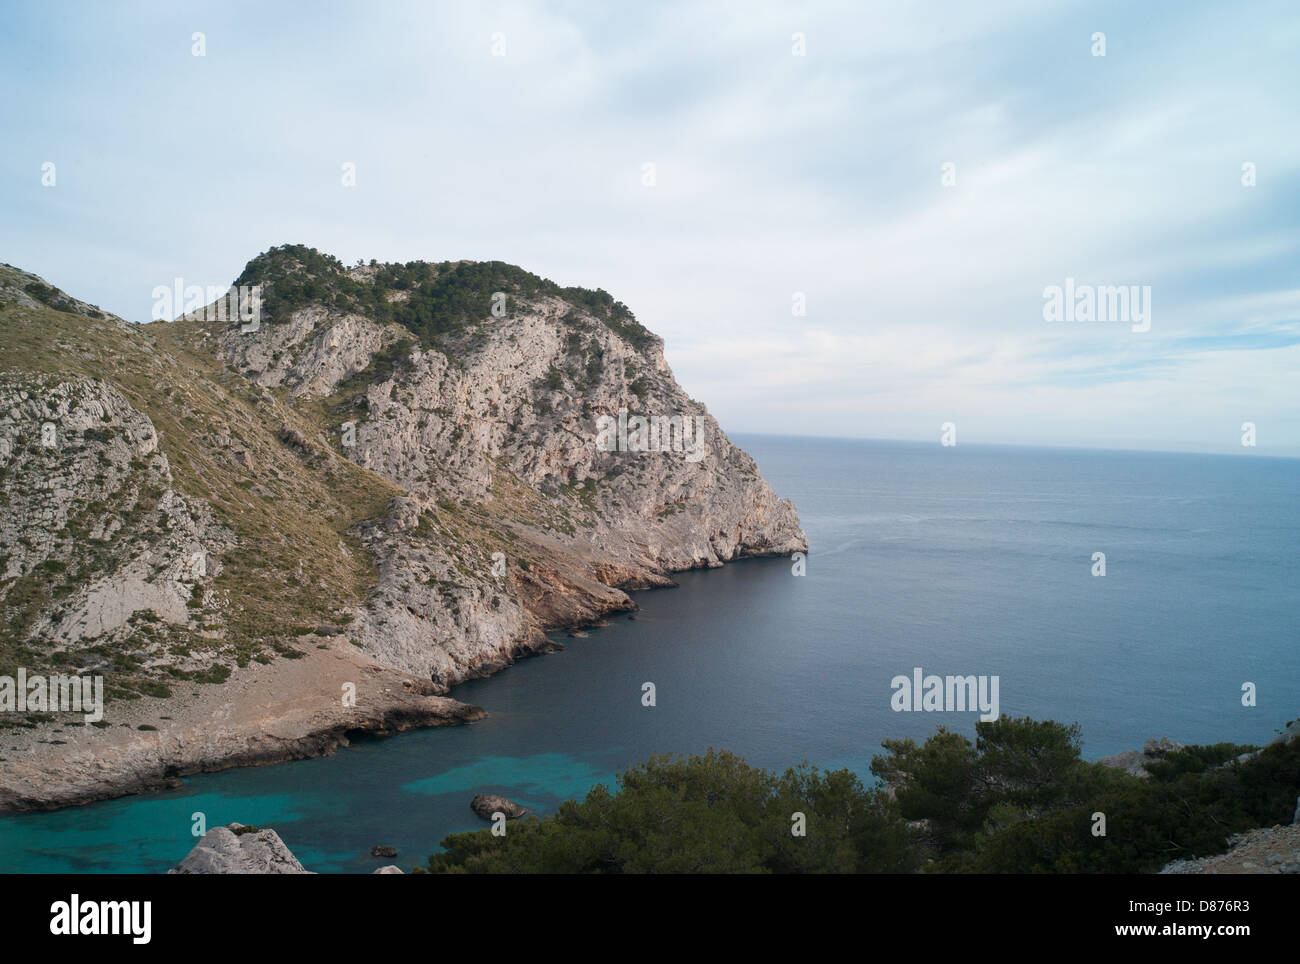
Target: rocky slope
1268	850
396	474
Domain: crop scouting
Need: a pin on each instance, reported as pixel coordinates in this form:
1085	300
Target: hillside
386	484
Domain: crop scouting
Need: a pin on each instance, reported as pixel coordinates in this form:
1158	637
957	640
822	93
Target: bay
965	560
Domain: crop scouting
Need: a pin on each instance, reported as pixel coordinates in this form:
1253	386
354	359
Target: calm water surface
970	560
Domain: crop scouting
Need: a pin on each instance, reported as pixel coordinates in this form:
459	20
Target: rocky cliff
395	478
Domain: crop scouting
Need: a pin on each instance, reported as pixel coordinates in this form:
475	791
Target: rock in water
380	850
236	849
390	869
486	804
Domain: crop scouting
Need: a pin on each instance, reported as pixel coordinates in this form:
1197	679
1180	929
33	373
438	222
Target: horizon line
1013	445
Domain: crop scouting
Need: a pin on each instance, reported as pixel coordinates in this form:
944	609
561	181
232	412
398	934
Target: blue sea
965	560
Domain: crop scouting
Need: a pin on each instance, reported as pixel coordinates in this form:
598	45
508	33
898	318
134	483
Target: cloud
776	174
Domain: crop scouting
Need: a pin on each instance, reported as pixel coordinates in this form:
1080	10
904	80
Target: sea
963	560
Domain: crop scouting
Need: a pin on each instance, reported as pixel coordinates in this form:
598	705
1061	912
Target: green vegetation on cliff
431	300
290	513
1017	800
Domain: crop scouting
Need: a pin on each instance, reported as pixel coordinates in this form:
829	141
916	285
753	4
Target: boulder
486	804
236	849
380	850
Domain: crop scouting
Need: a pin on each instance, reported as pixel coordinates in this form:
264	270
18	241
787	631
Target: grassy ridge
289	509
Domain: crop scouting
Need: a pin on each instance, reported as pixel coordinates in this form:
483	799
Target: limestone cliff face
90	508
418	469
497	428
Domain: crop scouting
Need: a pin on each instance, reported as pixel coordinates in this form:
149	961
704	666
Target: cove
967	558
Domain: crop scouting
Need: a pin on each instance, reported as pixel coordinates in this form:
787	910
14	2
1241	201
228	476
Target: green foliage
386	362
1019	799
56	299
1020	767
442	299
1193	759
937	781
703	814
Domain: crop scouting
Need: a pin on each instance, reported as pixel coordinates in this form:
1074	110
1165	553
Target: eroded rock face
488	804
495	442
91	508
236	849
311	353
187	502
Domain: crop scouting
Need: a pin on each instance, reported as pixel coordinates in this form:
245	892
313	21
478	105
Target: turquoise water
972	560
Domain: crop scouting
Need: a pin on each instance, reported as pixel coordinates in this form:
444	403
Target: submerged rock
236	849
486	804
380	850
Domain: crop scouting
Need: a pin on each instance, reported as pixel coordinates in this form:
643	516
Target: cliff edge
311	507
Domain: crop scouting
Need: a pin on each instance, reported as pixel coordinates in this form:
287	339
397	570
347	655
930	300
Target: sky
917	174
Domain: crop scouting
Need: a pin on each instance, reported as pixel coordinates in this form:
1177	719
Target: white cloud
776	174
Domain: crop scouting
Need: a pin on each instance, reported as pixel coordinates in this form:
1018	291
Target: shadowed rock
1131	761
486	804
